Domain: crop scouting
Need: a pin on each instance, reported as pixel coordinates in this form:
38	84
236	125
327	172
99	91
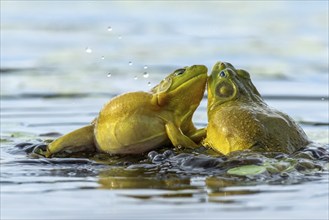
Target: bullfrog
136	122
239	118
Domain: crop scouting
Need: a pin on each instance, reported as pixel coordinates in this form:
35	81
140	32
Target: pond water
62	61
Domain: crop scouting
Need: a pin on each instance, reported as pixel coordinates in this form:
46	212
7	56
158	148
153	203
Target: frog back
283	134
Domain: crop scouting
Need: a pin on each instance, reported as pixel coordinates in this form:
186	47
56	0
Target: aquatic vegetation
247	170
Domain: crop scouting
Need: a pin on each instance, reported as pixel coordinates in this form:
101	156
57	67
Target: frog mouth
200	76
190	80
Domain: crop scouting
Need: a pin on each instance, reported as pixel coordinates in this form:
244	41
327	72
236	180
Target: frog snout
222	65
199	68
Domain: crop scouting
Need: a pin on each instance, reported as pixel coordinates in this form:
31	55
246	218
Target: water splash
88	50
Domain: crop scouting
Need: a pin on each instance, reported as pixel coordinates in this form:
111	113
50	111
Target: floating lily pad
247	170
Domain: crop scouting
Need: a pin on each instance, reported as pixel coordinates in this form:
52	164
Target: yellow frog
136	122
239	118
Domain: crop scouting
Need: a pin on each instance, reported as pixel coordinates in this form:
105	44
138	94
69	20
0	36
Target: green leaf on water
4	140
247	170
23	135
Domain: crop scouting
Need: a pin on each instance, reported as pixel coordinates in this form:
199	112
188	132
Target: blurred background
73	46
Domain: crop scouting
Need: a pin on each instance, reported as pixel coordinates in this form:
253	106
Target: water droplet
145	67
145	75
130	63
102	57
109	28
88	50
149	83
135	77
322	99
119	37
109	75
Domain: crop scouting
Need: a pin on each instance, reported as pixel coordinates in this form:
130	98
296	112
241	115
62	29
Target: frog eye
222	74
179	72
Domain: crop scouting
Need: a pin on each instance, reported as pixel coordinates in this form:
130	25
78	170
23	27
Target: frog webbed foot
31	149
40	150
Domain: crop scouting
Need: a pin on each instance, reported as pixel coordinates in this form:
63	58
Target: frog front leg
177	137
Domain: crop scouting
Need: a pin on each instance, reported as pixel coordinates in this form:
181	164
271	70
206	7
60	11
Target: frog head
182	90
227	84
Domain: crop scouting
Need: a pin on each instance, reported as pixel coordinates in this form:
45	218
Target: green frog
239	118
137	122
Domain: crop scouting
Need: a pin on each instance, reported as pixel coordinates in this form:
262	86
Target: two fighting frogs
238	118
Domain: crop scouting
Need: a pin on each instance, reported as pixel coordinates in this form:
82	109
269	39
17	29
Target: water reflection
178	171
180	189
142	182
